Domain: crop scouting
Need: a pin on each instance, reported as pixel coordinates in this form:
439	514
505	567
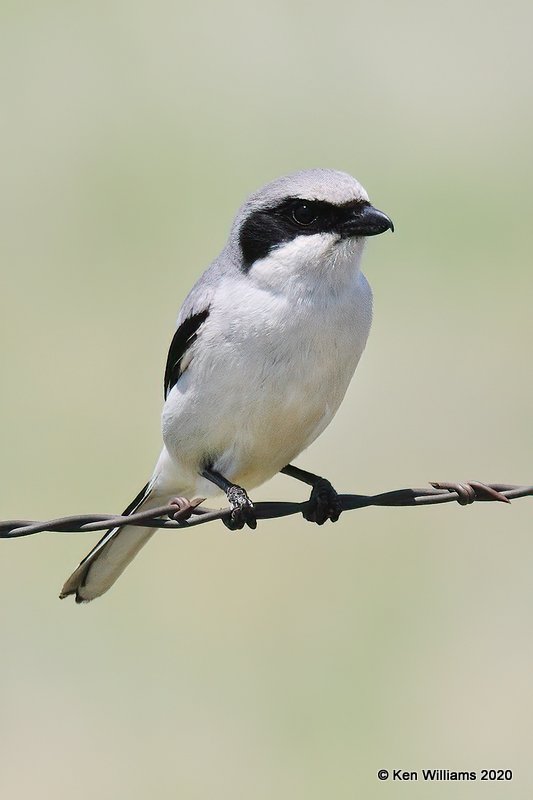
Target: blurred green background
295	662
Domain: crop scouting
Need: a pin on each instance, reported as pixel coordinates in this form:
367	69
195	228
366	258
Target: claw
323	504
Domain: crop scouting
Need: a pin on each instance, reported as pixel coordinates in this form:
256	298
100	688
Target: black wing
184	337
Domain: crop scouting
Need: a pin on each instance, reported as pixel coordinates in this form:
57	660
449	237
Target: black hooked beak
366	221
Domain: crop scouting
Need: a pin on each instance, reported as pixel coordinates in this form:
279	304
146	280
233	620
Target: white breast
266	377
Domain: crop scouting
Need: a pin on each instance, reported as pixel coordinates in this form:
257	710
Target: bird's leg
324	501
242	508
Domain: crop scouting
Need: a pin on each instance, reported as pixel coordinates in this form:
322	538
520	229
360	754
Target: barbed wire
181	513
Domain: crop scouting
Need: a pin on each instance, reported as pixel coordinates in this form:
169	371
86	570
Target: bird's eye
304	214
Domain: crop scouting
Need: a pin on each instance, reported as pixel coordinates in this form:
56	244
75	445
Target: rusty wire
180	513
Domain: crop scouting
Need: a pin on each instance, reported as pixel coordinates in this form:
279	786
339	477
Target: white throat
318	264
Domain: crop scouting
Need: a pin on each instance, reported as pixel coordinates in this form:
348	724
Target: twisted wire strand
182	513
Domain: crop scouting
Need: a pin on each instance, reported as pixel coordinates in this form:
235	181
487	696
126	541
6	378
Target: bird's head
306	225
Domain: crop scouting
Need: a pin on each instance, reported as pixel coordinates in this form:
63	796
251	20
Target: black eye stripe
268	228
327	215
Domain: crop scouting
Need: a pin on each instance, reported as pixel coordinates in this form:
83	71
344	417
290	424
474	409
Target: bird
266	344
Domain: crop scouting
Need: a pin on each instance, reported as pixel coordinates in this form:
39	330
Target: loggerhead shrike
265	347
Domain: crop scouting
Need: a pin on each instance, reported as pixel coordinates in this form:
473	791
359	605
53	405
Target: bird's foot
323	504
242	510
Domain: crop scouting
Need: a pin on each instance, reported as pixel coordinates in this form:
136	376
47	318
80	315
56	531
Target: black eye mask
268	228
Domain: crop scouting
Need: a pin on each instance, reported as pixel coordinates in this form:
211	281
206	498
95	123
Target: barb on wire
181	513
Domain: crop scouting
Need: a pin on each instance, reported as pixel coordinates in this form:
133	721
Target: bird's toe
324	504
